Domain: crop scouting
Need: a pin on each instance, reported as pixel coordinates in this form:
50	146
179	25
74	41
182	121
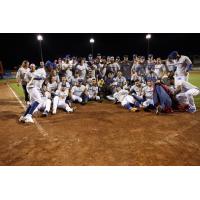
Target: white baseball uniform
45	105
121	81
82	70
77	92
138	90
92	92
123	97
34	86
180	73
21	74
188	91
148	93
59	101
159	70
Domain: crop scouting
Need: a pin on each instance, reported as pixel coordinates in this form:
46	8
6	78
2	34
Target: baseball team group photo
99	99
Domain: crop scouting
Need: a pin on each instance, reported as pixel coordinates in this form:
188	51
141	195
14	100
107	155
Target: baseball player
55	74
20	76
126	100
170	65
93	90
148	94
110	86
125	67
138	68
29	75
92	69
59	101
120	80
82	69
159	69
185	93
75	79
150	64
79	92
183	66
34	91
113	66
44	106
51	87
65	82
137	89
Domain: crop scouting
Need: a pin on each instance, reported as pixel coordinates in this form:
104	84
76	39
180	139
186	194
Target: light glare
39	37
91	40
148	36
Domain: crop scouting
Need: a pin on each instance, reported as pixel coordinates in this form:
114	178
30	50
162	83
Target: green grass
18	90
195	80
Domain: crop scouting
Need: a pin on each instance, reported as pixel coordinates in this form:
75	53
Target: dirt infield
98	134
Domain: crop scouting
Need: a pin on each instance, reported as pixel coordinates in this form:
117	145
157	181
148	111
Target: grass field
194	79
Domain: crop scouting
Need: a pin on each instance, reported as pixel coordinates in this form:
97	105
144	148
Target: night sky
16	47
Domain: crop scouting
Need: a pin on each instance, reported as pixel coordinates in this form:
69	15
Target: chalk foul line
39	127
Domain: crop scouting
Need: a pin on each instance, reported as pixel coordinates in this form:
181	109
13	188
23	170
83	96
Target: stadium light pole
148	37
40	38
92	43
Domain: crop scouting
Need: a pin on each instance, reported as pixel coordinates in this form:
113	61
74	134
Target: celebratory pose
35	93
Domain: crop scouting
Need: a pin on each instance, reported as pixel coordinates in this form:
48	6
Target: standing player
183	66
125	67
160	69
113	66
150	64
29	75
20	76
34	91
82	69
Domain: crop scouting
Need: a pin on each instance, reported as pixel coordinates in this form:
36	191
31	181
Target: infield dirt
97	134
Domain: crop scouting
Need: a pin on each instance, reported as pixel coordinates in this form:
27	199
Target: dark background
14	48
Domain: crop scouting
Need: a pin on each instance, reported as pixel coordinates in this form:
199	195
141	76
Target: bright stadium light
92	44
148	36
92	40
39	37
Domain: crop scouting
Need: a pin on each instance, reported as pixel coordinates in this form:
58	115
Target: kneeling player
59	101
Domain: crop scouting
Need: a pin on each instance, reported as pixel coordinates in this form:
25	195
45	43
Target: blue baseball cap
173	55
48	64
